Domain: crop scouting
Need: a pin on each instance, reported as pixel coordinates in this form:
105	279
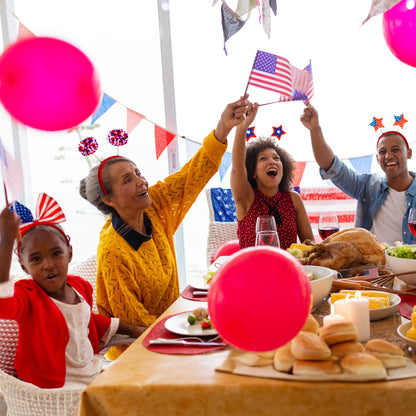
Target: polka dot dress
281	207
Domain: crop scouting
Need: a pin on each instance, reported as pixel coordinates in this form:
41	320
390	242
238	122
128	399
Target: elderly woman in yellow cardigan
137	275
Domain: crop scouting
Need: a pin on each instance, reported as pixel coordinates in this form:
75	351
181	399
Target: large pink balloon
399	28
48	84
228	248
259	299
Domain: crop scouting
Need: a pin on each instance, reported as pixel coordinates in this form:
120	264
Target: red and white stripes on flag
272	73
11	171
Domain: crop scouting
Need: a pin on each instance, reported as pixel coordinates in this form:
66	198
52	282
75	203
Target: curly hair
254	147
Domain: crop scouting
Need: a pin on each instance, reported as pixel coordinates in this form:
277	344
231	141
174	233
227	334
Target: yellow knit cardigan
138	286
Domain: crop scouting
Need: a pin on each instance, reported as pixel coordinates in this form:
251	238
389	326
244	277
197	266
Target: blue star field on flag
223	205
24	213
250	133
278	132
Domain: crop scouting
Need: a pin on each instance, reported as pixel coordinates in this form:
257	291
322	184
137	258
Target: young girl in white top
58	332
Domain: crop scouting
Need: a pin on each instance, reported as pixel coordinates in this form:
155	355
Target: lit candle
359	313
340	308
333	318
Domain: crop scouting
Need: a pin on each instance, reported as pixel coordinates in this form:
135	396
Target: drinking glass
267	238
328	224
412	220
265	223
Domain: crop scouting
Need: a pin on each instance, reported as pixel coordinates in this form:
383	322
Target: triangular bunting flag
378	7
133	119
245	7
273	6
162	140
298	174
24	32
231	24
265	12
106	103
191	149
225	164
362	164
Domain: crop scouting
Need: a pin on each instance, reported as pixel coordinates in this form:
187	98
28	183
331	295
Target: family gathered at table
137	284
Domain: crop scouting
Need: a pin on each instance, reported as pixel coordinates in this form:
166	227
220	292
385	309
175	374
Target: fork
211	339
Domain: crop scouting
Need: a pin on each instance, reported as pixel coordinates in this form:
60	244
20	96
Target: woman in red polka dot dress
261	183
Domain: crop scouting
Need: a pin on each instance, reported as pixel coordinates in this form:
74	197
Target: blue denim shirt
370	190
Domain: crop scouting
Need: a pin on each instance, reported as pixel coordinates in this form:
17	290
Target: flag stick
5	193
273	102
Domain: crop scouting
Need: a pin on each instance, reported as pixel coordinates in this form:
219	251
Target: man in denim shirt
382	203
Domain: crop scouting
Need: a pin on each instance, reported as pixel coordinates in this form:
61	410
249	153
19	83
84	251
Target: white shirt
387	222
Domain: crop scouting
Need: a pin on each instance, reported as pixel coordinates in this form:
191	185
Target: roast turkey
348	248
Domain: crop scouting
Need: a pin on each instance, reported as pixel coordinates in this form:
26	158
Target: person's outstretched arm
323	154
242	191
9	230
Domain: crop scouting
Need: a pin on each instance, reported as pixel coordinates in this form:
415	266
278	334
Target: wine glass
265	223
412	220
267	238
328	224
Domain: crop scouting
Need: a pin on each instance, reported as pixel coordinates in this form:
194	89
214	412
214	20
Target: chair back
222	220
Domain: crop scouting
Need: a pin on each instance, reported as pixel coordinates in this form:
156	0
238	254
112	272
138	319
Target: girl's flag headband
48	212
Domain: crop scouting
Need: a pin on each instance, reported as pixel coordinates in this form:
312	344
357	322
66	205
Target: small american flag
272	73
302	84
11	172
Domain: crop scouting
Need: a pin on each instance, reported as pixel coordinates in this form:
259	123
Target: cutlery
165	341
200	293
406	305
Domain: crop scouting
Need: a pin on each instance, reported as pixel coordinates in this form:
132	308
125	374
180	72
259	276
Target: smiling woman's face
128	187
269	168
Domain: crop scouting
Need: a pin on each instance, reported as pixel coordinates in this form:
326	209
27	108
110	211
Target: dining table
144	382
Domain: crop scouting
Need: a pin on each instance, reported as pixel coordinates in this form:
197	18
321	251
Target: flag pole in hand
5	193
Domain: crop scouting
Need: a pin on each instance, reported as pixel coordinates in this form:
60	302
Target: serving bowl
399	265
321	283
402	331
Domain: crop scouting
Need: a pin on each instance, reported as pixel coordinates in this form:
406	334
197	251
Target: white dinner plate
381	313
199	283
179	325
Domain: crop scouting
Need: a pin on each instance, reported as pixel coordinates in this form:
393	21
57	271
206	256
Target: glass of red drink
328	224
412	220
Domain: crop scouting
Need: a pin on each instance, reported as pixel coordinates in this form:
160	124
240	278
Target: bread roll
341	349
389	354
363	364
309	346
252	359
311	325
315	368
283	358
339	332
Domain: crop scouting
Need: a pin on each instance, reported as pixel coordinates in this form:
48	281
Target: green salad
403	251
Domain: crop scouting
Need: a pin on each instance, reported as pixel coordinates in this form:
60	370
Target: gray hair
90	189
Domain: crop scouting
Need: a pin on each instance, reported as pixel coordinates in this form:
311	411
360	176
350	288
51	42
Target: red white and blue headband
400	121
48	212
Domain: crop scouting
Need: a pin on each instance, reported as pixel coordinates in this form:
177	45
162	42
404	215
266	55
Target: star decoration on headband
399	121
250	133
278	132
377	123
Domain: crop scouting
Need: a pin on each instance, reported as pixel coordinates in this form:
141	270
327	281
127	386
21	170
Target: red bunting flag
300	168
162	140
133	119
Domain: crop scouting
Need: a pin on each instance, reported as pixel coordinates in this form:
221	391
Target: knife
165	341
200	293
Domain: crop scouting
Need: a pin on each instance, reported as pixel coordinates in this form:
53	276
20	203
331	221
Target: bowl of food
320	279
402	331
402	259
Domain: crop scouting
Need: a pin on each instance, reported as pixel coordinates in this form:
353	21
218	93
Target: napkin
187	294
159	331
410	300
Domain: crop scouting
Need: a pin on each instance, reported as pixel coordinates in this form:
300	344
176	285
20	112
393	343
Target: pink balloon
48	84
399	28
259	299
228	248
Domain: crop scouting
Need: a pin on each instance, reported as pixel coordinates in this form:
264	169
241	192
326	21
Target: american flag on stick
277	74
12	174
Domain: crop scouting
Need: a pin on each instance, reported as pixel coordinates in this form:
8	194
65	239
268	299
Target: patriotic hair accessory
88	146
117	137
100	173
48	212
399	121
